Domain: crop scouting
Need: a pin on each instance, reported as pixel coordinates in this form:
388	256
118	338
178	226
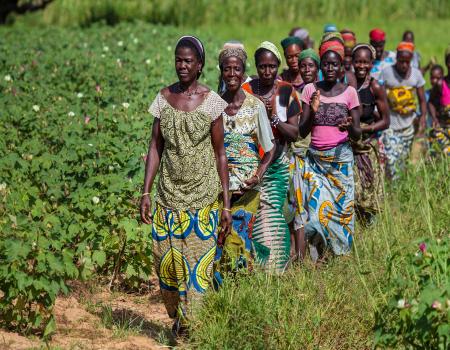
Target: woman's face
308	70
187	64
362	63
291	54
331	66
232	73
267	68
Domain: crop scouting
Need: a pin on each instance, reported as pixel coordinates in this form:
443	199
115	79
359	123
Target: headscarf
406	46
196	43
330	28
233	44
349	39
267	45
369	47
233	52
301	33
335	46
291	40
309	53
332	36
377	35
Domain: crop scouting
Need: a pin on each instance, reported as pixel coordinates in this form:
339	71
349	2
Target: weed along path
92	317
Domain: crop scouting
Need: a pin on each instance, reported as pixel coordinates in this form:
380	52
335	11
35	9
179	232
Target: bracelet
275	121
145	194
227	209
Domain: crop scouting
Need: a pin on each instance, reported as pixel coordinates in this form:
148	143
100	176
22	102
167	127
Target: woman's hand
268	105
315	101
346	124
250	183
225	227
146	207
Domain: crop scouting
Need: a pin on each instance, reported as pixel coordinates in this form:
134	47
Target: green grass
332	307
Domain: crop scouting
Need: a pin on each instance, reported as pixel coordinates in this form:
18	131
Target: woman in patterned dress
271	231
187	149
246	126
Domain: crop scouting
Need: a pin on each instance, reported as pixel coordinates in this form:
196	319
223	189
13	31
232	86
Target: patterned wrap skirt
184	246
369	176
296	209
271	233
440	140
397	145
329	197
238	252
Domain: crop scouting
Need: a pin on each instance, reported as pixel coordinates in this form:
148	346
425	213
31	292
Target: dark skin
379	48
233	74
363	63
308	70
265	86
331	65
292	75
403	68
347	62
437	76
186	95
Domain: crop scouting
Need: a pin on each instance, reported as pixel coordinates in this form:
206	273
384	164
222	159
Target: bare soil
92	317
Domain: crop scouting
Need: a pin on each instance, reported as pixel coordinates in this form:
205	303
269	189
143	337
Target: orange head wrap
334	46
406	46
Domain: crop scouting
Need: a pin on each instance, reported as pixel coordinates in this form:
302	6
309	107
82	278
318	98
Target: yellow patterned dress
186	215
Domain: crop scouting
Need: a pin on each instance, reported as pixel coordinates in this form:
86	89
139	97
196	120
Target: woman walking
403	83
330	113
187	149
368	170
309	63
439	106
246	126
292	46
271	232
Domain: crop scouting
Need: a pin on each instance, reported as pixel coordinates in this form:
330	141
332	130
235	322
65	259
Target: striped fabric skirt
271	232
329	197
184	246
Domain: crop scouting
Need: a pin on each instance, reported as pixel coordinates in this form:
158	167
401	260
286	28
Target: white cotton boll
148	61
401	303
135	40
8	77
80	95
105	48
125	105
120	43
71	114
36	108
95	200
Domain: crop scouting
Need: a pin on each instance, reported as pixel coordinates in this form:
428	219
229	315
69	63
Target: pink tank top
445	96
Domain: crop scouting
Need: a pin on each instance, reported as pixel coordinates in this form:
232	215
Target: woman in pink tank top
439	106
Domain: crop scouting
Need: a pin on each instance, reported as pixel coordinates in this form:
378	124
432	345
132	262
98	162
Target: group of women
229	163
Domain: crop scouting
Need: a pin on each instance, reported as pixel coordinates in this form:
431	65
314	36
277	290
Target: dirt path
91	317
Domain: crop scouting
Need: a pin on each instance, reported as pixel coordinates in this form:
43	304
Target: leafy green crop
75	129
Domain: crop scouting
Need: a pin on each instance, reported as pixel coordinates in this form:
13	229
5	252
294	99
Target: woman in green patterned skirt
187	148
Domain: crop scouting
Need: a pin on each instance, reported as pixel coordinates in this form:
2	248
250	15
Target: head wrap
377	35
332	36
406	46
309	53
349	39
330	28
196	43
300	33
291	40
233	44
267	45
334	46
365	46
233	52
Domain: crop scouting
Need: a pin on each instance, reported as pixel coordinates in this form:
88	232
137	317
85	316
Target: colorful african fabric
440	139
186	215
188	172
238	251
244	131
184	245
397	146
271	230
296	165
369	177
329	197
